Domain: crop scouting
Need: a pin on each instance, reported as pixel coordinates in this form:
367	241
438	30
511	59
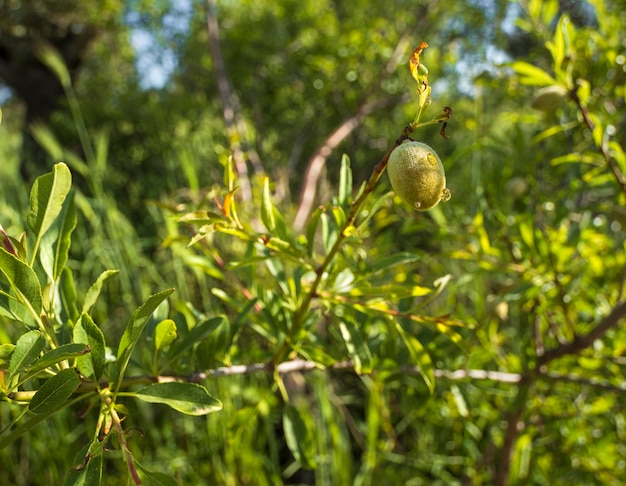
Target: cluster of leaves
546	250
62	358
327	304
529	255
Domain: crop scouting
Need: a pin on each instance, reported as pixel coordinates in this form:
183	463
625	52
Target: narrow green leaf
55	392
559	43
93	474
54	356
299	437
135	327
329	233
68	225
47	140
344	281
198	334
267	208
281	246
46	200
317	355
386	263
532	75
345	182
357	347
94	291
27	350
339	214
203	217
242	235
375	406
311	229
419	357
55	244
67	293
23	281
164	334
159	479
282	230
52	58
12	309
87	332
187	398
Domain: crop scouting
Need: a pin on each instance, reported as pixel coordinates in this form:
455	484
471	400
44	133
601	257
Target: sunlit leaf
187	398
202	217
27	350
24	282
164	334
46	200
267	208
559	43
86	331
329	232
56	355
357	347
48	54
135	328
345	182
68	224
93	292
532	75
419	357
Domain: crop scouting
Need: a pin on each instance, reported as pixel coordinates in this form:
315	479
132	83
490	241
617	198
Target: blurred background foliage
532	239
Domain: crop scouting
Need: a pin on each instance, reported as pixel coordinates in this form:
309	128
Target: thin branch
318	160
498	376
304	365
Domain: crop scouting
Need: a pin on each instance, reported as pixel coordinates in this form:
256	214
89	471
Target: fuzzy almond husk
417	175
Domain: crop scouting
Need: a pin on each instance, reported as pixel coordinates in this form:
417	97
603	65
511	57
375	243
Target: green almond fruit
549	98
417	175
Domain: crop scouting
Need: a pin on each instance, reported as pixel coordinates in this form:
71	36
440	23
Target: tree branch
304	365
226	97
582	342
